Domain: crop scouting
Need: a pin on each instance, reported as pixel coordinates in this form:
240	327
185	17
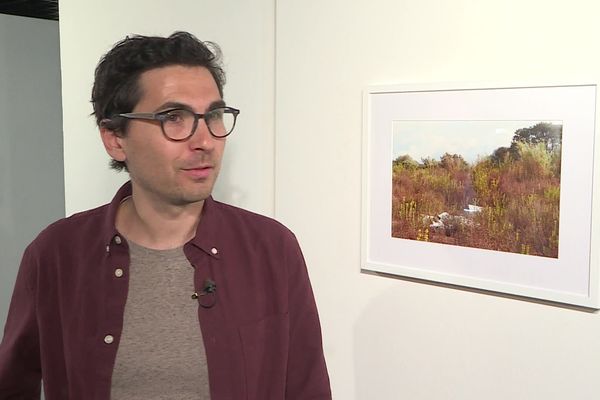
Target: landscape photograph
491	185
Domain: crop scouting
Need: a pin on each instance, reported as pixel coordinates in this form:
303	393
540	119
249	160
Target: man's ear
113	143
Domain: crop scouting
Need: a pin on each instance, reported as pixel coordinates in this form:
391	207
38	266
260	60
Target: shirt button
108	339
118	239
118	272
214	251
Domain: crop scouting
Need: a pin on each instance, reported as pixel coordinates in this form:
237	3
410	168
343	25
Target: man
164	293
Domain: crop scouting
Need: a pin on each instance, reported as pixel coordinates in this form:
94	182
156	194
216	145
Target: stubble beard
177	194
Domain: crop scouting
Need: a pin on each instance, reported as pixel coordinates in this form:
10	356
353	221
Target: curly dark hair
116	88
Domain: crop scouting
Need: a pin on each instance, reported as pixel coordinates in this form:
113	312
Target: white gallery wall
389	338
297	71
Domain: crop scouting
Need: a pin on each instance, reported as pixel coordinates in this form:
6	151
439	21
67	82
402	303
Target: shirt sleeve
307	377
20	367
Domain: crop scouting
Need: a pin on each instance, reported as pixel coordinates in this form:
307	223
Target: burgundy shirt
260	326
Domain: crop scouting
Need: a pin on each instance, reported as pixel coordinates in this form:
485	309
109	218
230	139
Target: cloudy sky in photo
470	139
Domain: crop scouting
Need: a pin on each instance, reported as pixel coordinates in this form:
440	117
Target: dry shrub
519	194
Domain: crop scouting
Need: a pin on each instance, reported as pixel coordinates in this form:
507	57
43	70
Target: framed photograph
487	186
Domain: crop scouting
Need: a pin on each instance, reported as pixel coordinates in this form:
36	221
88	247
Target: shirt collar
207	232
109	229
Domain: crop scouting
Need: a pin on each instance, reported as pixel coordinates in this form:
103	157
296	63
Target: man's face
174	173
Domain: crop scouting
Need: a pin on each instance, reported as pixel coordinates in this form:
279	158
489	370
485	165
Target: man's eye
175	116
214	115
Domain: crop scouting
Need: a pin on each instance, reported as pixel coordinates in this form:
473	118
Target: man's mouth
199	172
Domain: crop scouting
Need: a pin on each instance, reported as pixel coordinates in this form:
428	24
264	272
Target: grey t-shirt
161	352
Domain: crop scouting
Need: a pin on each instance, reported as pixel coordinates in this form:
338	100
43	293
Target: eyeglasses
179	124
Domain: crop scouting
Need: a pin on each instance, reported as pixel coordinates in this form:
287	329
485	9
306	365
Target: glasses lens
178	124
220	121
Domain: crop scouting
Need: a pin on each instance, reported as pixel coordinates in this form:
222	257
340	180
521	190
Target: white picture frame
571	277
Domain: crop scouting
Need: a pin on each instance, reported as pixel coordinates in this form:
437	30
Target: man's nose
202	139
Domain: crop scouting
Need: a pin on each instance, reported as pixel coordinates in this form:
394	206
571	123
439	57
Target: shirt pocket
265	347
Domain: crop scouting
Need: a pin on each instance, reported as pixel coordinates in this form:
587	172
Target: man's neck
157	225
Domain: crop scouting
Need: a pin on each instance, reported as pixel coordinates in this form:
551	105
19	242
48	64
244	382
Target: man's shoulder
79	225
